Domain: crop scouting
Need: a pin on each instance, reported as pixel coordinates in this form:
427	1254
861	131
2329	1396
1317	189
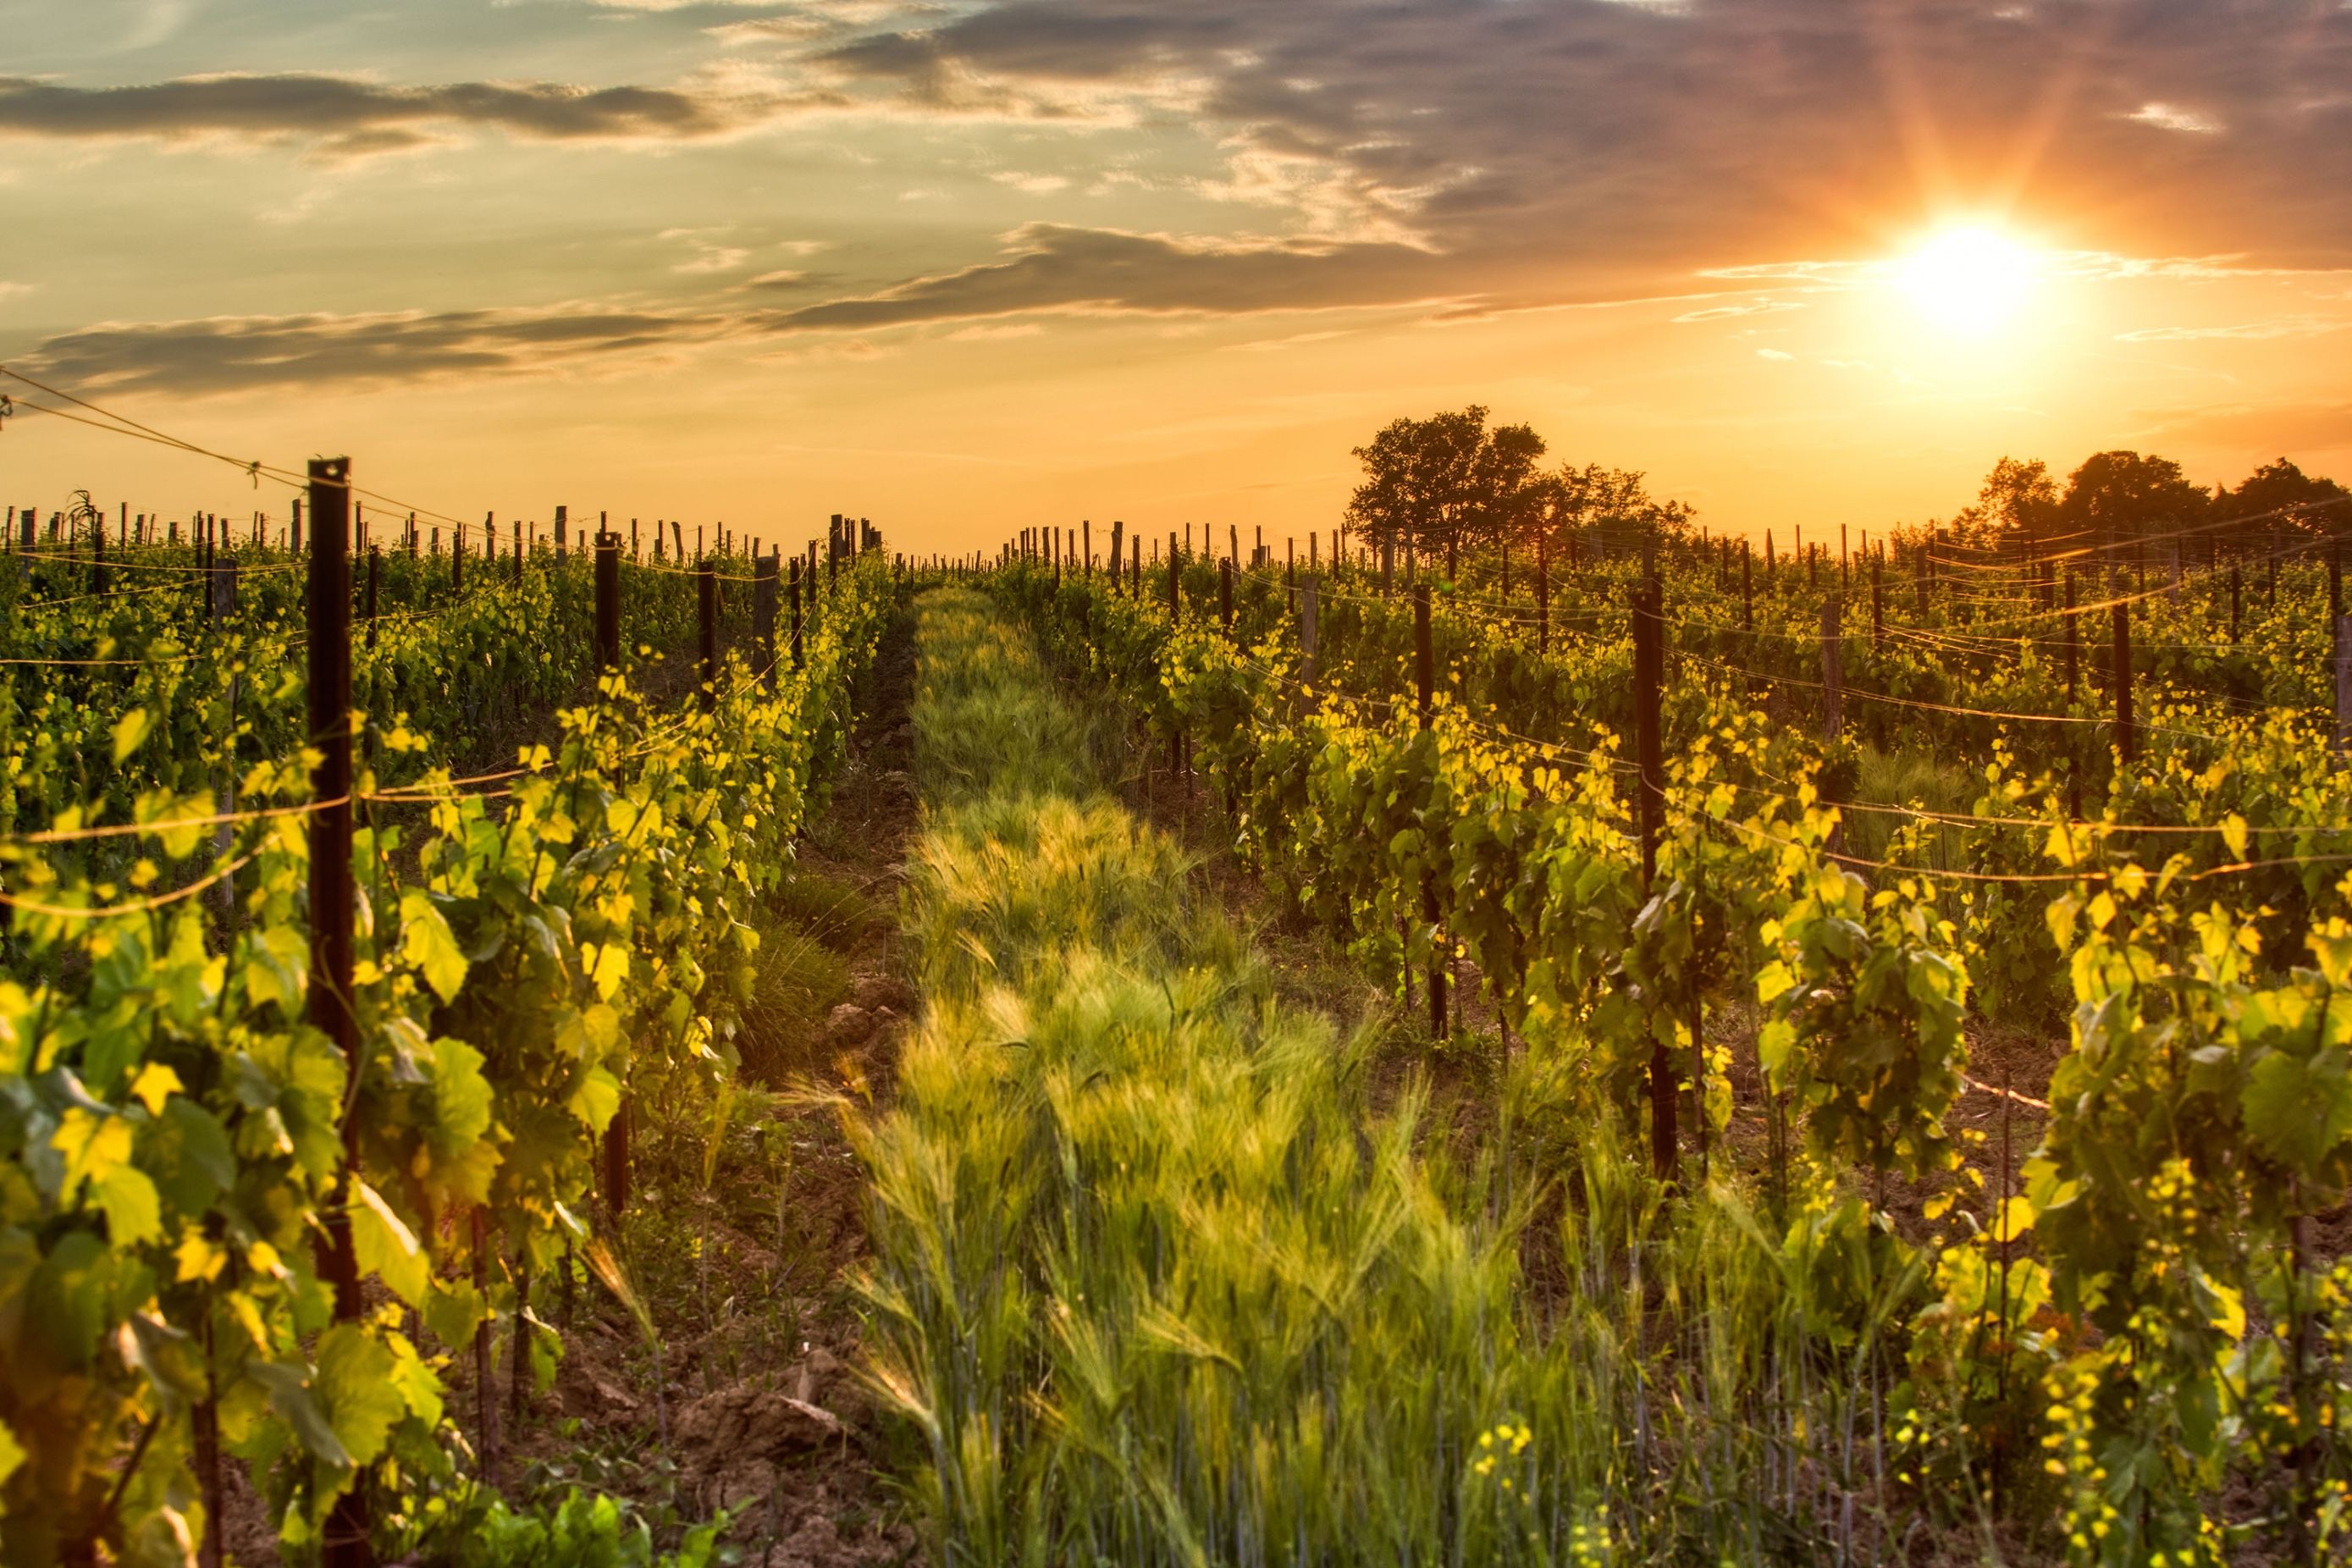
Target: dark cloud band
357	116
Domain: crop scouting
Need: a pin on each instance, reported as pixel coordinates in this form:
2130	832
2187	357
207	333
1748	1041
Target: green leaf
1773	981
453	1311
416	1381
596	1099
462	1097
134	1214
427	941
354	1382
2299	1111
129	731
12	1454
387	1246
290	1395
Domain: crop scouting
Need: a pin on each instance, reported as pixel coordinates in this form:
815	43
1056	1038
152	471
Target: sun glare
1970	283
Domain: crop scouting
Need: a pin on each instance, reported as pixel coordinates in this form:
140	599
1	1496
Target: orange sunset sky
964	266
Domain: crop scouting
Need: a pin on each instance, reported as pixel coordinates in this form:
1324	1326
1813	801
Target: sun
1970	281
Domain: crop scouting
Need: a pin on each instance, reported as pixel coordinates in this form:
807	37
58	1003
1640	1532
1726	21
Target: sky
966	267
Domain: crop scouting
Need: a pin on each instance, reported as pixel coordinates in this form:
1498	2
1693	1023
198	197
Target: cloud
2171	117
2282	327
1031	185
240	354
345	117
1774	354
1053	267
1516	137
2259	432
1743	308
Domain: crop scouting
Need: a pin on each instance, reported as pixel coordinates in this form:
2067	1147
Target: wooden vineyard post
458	562
517	555
1649	672
2126	730
2343	688
1135	578
1877	602
1310	625
375	564
608	603
1543	595
1225	594
2074	652
763	614
1175	584
1290	578
1424	672
706	604
798	657
1832	670
608	660
2335	593
1117	551
486	1400
345	1542
1086	547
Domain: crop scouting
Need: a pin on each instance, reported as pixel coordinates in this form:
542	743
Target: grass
1157	1280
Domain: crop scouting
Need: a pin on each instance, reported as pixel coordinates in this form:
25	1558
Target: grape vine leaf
387	1246
427	941
2299	1108
355	1383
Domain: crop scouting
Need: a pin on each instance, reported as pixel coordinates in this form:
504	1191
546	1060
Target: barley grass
1156	1283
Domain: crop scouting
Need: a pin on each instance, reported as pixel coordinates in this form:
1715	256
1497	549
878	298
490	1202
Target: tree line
1439	486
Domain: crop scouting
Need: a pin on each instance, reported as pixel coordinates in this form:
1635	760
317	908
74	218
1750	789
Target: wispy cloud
345	116
238	353
2172	116
2279	327
1052	267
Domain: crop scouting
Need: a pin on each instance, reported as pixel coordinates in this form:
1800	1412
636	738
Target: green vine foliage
532	949
2135	1333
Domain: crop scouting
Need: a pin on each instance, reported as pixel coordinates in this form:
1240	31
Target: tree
2286	497
1443	481
1612	503
2018	505
2119	496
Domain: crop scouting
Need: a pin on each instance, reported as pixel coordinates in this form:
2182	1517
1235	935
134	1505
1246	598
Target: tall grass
1157	1283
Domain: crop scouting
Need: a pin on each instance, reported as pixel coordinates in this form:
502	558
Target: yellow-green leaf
156	1084
385	1247
129	731
427	941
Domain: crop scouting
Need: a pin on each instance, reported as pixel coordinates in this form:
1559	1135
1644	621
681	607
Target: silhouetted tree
2116	498
2017	508
1613	507
2305	503
1441	482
